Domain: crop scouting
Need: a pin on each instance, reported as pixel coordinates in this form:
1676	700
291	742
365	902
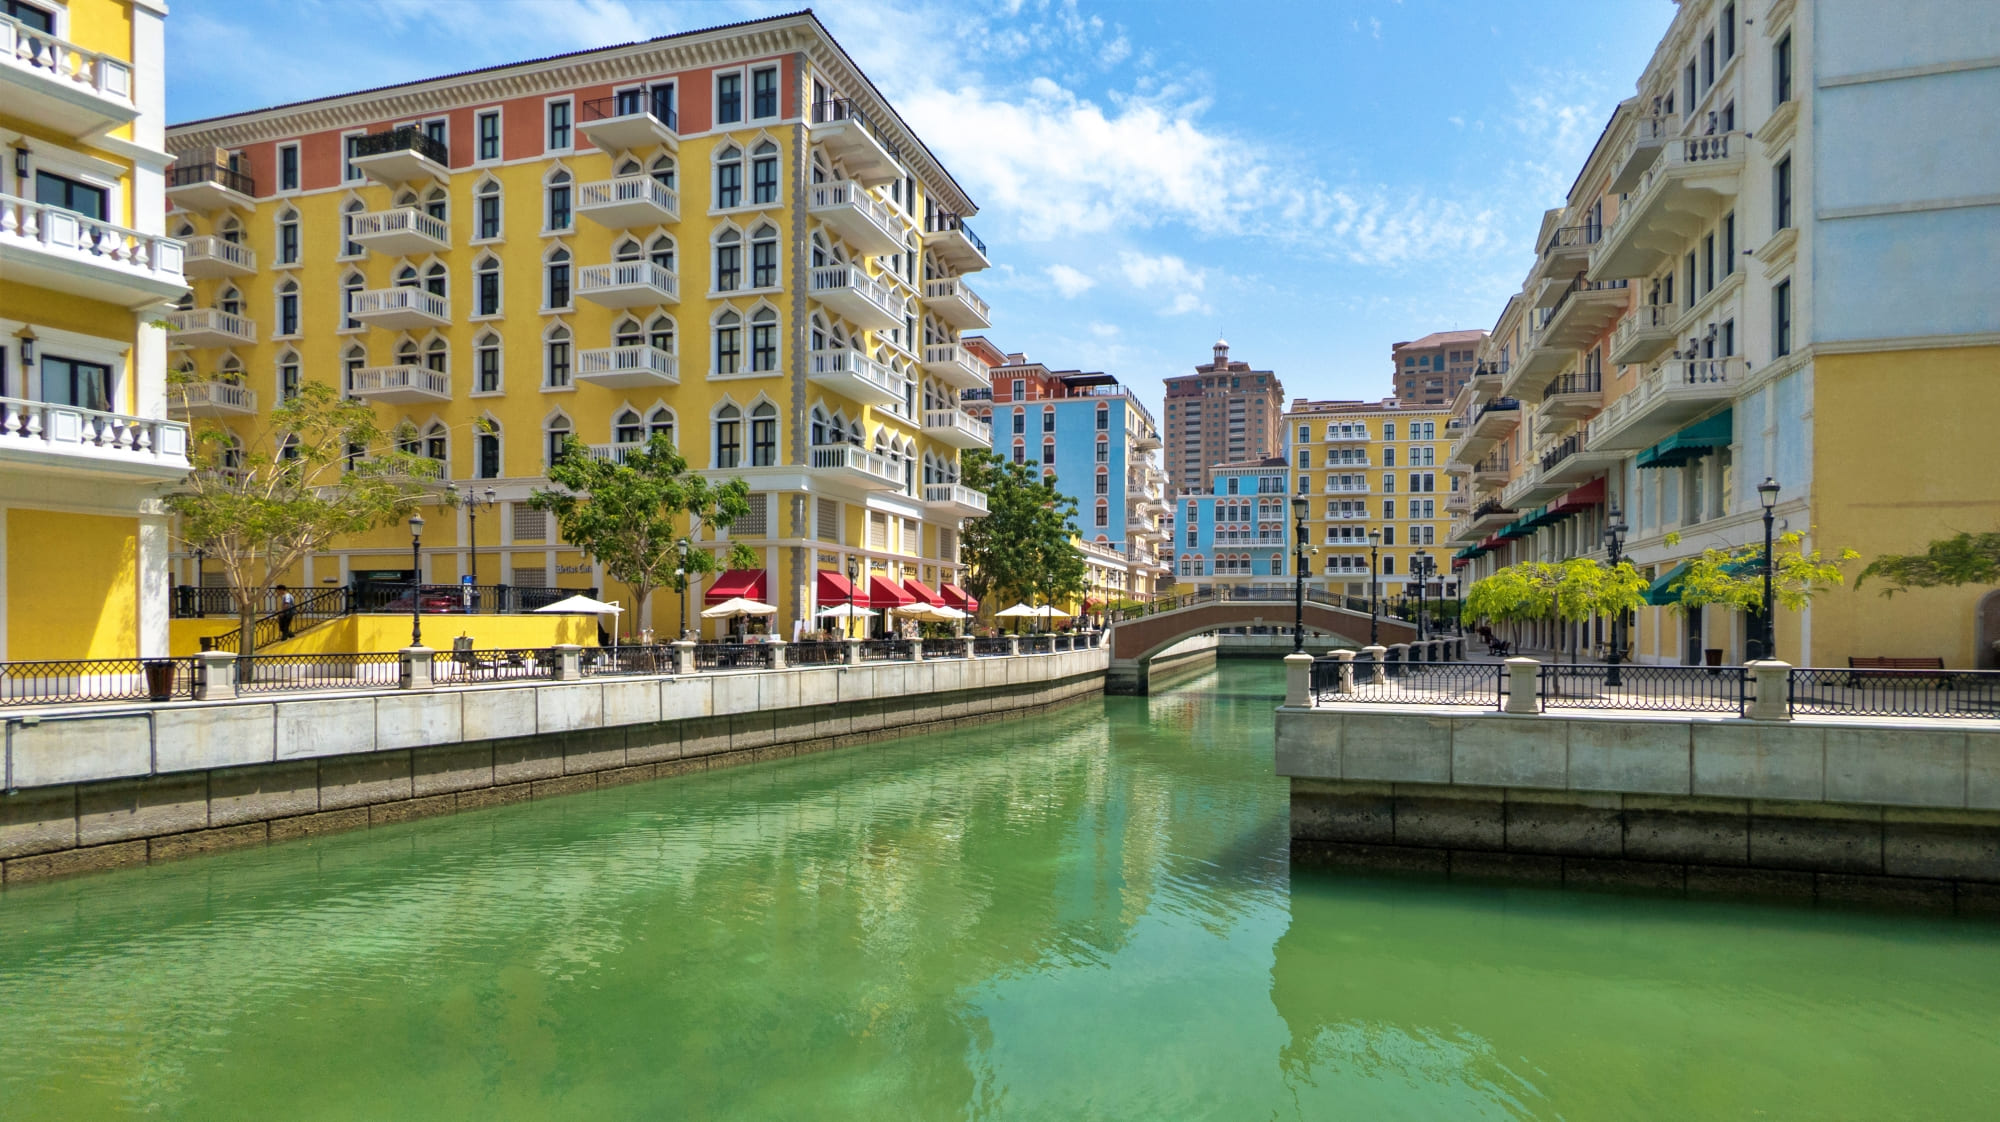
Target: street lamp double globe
1767	497
1300	504
1374	585
1614	543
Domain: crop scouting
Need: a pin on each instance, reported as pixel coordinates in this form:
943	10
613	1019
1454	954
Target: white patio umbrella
738	606
581	605
845	611
1018	611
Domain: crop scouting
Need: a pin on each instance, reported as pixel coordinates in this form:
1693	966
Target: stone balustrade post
415	669
777	654
1773	681
1298	681
967	641
569	662
1013	644
215	676
1377	672
1524	679
916	650
1400	653
683	656
854	652
1346	660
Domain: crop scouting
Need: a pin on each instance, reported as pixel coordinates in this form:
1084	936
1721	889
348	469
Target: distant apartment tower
1431	370
1223	413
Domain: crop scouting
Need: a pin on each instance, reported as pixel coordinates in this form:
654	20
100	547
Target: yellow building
1374	466
85	271
725	235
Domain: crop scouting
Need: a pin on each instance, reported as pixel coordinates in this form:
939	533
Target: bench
1863	669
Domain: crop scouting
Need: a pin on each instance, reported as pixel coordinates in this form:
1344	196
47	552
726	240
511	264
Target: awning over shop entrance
1575	502
1661	593
921	591
959	598
884	594
747	583
1696	440
833	589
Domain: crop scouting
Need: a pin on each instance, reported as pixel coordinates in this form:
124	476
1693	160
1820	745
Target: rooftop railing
408	138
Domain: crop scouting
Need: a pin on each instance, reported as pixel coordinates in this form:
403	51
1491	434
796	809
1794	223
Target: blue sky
1313	180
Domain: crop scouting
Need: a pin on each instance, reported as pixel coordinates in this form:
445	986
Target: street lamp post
474	502
1614	541
1374	612
200	563
1767	494
1420	568
1299	505
416	580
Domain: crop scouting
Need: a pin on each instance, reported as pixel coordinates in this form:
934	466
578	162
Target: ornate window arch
627	332
288	374
230	230
556	353
727	252
287	230
437	203
487	462
556	294
763	433
288	308
557	188
556	429
728	176
627	248
437	446
660	333
661	251
350	293
764	173
351	361
487	354
664	173
764	339
764	256
489	215
349	210
661	422
437	355
230	300
820	427
728	331
727	446
627	427
486	287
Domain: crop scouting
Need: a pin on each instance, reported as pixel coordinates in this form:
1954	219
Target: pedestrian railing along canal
1348	677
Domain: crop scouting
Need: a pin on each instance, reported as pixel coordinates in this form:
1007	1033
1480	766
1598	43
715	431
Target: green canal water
1087	914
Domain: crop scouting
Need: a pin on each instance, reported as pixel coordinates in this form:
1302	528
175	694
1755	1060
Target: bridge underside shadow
1137	644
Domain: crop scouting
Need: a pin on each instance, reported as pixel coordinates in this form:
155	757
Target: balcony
1693	180
1529	489
1584	311
210	256
1645	332
954	501
1540	357
402	232
847	132
401	384
1488	517
58	85
621	123
1487	378
400	308
854	375
628	367
862	220
1146	441
1649	136
628	284
50	247
627	201
1494	421
207	187
958	428
211	398
955	364
1676	392
957	304
1571	462
400	156
1572	397
44	436
1458	502
857	297
855	465
616	453
208	327
1567	252
947	236
1491	472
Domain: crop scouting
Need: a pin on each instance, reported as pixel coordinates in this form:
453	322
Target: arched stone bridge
1142	634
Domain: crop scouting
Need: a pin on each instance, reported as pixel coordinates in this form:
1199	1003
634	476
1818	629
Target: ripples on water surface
1088	914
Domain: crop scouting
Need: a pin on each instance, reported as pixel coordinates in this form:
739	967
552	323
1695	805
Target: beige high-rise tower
1223	413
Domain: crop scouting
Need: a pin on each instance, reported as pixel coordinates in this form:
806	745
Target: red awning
1492	543
921	591
747	583
834	589
1583	498
882	594
958	598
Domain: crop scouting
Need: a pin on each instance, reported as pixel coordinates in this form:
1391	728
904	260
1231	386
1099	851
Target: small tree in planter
1569	591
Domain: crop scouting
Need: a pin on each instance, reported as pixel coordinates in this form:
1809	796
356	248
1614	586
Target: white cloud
1069	281
1169	278
1104	330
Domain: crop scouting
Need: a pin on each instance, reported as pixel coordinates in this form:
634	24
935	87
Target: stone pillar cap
416	650
1522	660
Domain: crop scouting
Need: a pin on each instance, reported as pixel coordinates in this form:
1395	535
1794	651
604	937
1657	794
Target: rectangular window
288	243
1727	25
1305	458
68	381
1781	195
1687	89
489	134
288	167
439	132
1708	263
1781	318
1048	420
1020	422
728	99
1781	70
489	292
348	172
70	194
1388	430
559	126
1388	509
489	455
764	92
1388	538
1729	243
1728	342
1708	61
1103	452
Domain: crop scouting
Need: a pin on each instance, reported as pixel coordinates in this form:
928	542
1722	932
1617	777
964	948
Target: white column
155	583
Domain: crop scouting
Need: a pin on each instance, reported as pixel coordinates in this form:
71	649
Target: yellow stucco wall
72	585
489	632
184	636
1903	454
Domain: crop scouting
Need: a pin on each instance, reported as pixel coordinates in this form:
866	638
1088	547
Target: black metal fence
471	599
649	658
1412	683
406	138
1895	693
285	673
732	656
1669	689
496	665
96	679
885	650
990	647
816	652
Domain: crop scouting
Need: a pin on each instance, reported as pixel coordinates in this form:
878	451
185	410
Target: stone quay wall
107	786
1898	813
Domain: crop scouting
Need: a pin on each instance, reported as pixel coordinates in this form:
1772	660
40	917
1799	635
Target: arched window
437	356
555	271
350	292
437	447
764	339
352	362
660	333
728	436
728	261
555	358
288	374
434	278
407	440
230	370
435	204
627	333
556	193
348	213
486	285
662	252
764	256
288	237
661	423
231	301
406	277
764	174
663	172
486	358
407	354
764	435
729	177
487	199
626	250
627	166
728	343
628	428
819	427
1103	513
488	450
555	432
288	308
230	231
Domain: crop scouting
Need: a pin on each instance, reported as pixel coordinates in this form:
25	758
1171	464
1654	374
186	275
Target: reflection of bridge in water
1140	634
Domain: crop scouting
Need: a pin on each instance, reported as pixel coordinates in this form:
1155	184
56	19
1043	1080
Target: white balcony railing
955	495
958	427
853	293
954	300
209	327
48	428
400	232
628	284
400	307
63	70
210	256
401	383
212	398
860	218
639	364
955	364
101	260
854	458
616	453
854	374
629	200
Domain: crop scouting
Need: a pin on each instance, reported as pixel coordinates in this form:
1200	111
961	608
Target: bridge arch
1135	640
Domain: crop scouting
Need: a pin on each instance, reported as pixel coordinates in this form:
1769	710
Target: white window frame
547	148
278	167
742	76
498	113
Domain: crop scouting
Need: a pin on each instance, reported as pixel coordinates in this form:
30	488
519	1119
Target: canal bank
1087	912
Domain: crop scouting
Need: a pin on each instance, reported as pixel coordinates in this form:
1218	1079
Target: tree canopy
1576	589
640	519
1024	548
319	467
1948	563
1734	577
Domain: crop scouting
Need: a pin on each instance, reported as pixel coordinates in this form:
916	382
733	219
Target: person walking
288	607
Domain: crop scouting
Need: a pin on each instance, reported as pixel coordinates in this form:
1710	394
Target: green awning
1468	551
1692	442
1660	594
1523	526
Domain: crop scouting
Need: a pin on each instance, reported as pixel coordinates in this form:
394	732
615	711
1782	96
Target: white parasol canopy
1018	611
582	605
738	606
945	613
846	611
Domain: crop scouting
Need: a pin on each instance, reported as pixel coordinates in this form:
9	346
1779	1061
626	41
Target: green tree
1024	548
1947	563
319	467
1572	591
1734	577
630	516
